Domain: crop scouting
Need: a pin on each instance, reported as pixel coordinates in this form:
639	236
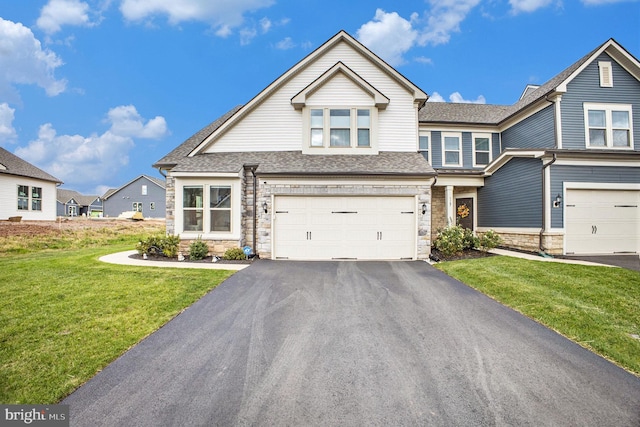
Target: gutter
253	168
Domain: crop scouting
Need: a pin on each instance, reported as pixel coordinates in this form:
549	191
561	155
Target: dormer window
340	129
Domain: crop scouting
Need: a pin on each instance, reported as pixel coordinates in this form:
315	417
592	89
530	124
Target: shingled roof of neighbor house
10	164
296	163
63	196
488	114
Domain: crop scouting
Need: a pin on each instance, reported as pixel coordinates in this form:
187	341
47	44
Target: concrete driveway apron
354	343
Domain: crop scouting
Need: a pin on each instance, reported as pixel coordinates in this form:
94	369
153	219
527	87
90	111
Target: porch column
449	205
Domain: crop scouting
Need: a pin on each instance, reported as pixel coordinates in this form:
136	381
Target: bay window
608	126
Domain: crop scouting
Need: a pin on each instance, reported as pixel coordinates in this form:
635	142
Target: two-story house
342	158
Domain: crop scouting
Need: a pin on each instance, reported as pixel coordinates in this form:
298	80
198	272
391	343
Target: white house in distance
25	190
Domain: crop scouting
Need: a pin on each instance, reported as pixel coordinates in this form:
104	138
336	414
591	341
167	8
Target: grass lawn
64	315
597	307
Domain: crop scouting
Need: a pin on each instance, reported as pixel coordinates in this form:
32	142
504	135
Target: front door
464	212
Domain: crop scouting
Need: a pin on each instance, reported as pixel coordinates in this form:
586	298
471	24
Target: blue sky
95	91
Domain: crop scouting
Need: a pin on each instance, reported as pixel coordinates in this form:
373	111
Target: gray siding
467	150
537	131
123	199
606	174
512	196
495	145
586	88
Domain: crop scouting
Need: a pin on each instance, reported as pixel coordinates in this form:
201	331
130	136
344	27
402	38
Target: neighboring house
143	194
341	158
558	171
71	203
25	190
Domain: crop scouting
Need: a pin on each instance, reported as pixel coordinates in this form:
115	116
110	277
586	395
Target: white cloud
436	97
423	60
223	16
57	13
91	160
389	36
285	44
265	25
456	97
7	132
518	6
443	19
246	35
600	2
24	61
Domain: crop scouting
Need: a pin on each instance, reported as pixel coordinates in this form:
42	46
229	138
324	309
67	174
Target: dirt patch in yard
44	228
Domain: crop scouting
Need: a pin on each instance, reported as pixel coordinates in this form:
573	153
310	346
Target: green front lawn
597	307
64	315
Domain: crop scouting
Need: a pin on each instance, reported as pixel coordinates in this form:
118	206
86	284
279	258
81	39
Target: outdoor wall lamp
424	208
264	206
558	201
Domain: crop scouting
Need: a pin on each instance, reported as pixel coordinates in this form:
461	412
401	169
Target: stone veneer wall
530	241
265	191
438	216
170	216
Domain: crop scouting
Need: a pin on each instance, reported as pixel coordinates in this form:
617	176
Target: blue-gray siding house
70	203
564	169
143	194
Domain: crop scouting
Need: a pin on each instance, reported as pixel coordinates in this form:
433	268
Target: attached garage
602	221
345	227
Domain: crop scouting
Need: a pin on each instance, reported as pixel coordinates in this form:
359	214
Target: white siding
275	125
9	198
340	91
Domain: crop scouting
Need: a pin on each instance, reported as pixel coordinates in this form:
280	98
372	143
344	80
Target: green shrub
198	249
469	240
450	241
489	240
157	245
234	253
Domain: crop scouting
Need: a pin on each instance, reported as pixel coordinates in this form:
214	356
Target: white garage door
324	228
602	221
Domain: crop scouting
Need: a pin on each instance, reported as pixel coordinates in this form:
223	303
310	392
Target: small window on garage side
220	208
23	197
608	126
192	208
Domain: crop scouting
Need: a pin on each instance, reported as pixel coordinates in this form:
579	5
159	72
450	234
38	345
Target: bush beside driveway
347	343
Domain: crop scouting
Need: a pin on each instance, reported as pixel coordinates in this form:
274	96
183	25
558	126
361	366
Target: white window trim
236	220
608	108
473	147
326	148
430	148
456	135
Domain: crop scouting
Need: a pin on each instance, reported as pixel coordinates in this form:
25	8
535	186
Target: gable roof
64	196
159	182
10	164
439	112
342	36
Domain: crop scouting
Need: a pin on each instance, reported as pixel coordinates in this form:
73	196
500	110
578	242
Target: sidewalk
532	257
123	259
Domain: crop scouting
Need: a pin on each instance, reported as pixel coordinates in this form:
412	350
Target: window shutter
606	74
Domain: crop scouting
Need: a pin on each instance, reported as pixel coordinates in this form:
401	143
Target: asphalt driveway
354	343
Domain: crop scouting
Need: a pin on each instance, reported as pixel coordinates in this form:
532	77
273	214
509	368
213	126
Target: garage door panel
345	227
602	221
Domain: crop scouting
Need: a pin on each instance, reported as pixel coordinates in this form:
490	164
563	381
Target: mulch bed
186	259
436	255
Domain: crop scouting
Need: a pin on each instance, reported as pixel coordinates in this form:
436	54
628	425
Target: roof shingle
14	165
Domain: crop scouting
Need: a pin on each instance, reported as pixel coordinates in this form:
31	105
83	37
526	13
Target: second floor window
482	149
340	127
608	126
423	146
452	149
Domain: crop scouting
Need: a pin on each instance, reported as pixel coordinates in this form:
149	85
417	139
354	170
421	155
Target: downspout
544	185
255	207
